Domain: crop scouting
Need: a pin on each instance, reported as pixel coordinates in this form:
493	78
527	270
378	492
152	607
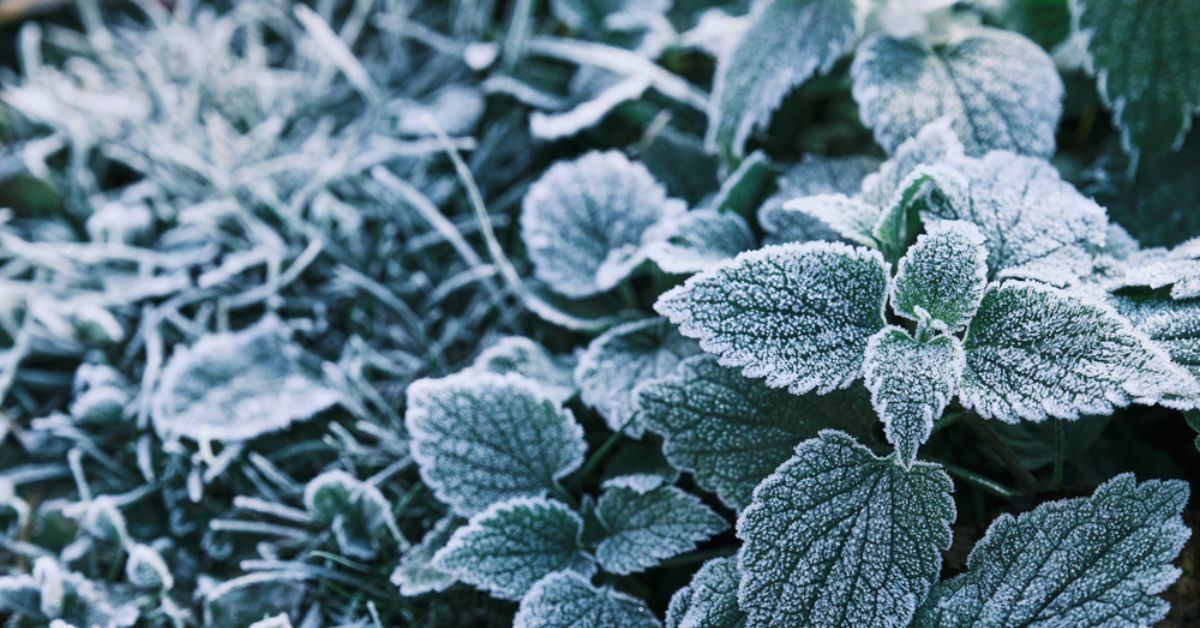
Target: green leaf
838	536
699	239
354	510
1034	351
814	175
568	600
505	549
522	356
623	357
1146	69
416	574
478	439
730	432
798	315
710	600
770	60
1089	561
911	383
1000	90
943	275
743	188
1173	324
643	528
850	219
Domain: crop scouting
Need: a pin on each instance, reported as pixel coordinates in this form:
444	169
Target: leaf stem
987	484
1019	473
594	460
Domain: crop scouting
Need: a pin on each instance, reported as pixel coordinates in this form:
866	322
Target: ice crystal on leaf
643	528
568	600
943	275
710	600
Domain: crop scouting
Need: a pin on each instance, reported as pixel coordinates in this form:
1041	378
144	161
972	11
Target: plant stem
986	484
564	495
1019	473
594	460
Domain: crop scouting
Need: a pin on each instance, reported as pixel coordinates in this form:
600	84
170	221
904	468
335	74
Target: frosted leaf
798	315
416	575
1000	90
1035	224
588	113
911	383
770	60
1034	351
742	189
812	176
699	239
944	274
354	510
1173	324
568	600
249	598
478	439
730	432
640	483
710	600
1178	269
505	549
585	220
146	569
520	355
644	529
1089	561
838	536
1145	69
623	357
236	386
848	218
934	143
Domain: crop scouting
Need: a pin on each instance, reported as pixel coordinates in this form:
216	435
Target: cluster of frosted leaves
617	361
60	597
696	240
585	222
838	536
356	511
936	142
730	431
236	386
1034	351
1089	561
943	276
415	574
645	527
505	549
812	176
478	439
568	600
522	356
798	315
1177	269
710	600
1000	90
1146	71
770	60
1173	324
911	382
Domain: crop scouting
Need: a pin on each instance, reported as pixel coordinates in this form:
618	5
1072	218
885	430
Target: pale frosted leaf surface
354	510
911	383
847	218
644	528
1000	90
1178	269
814	175
770	61
1089	561
699	239
730	431
743	188
568	600
239	385
934	143
1146	70
1173	324
479	439
944	274
902	218
415	573
522	356
1034	352
585	220
798	315
838	536
505	549
617	361
710	600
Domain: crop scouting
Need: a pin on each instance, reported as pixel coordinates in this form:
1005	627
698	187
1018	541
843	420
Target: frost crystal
812	176
1000	90
699	239
943	274
838	536
568	600
416	575
505	549
645	528
710	601
798	315
478	439
1089	561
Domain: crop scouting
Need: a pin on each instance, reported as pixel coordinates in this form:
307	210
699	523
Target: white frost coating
1090	561
415	574
236	386
620	359
1172	324
585	115
146	569
944	274
520	355
699	239
1146	65
798	315
851	219
710	600
644	529
911	382
1000	90
568	600
357	512
730	431
934	143
585	220
1178	269
505	549
1035	352
812	176
839	537
770	60
478	439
